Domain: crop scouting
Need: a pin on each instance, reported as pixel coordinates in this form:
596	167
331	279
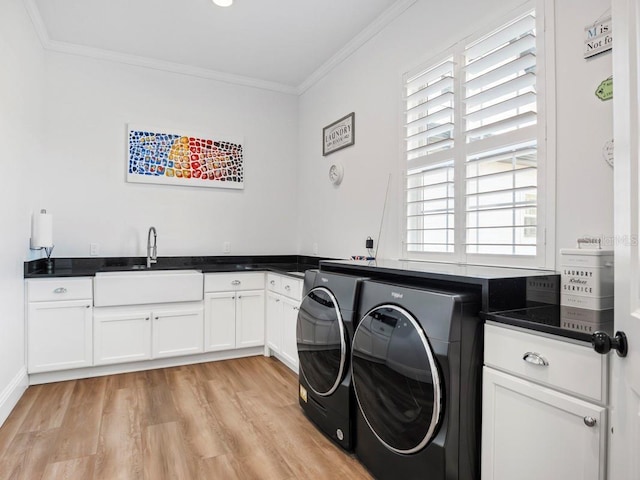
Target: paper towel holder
48	249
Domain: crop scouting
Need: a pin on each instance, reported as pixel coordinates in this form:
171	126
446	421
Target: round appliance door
396	379
322	346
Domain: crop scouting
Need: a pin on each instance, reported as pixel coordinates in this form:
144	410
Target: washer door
322	346
396	379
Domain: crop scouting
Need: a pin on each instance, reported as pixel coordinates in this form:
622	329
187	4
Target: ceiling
278	43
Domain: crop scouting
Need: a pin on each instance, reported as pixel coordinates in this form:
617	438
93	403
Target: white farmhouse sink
151	286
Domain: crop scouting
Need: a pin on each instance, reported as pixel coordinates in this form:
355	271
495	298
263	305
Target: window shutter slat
525	64
498	57
523	82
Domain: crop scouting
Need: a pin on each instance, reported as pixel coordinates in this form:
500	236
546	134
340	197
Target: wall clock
336	172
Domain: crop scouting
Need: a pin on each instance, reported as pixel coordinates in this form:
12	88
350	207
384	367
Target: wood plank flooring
234	419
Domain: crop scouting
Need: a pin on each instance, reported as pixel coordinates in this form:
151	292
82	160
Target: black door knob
603	343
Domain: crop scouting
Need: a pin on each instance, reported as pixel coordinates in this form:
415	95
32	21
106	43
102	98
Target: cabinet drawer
292	287
51	289
224	282
274	282
562	365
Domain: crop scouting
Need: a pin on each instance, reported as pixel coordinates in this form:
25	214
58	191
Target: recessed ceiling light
223	3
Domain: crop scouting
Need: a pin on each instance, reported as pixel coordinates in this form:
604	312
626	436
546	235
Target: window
474	174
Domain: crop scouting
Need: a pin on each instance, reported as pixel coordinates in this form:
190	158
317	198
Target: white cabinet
59	328
543	408
234	310
177	330
121	335
134	333
283	303
289	350
274	322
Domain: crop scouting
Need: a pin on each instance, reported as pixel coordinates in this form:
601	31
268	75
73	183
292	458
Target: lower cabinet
234	310
289	349
134	333
59	326
234	320
533	427
283	304
59	335
538	433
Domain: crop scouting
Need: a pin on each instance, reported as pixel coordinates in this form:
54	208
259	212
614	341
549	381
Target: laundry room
383	230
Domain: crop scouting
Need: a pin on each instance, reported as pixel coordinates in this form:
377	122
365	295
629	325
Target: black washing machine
417	371
324	334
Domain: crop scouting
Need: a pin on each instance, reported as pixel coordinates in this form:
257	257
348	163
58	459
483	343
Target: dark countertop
568	322
292	265
500	288
445	271
525	298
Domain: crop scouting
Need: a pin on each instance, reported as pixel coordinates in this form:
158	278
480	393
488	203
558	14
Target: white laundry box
586	278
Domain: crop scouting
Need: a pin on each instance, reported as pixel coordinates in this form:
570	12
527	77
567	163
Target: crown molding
358	41
388	16
180	68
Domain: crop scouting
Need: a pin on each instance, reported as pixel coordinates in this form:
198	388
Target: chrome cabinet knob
60	290
589	421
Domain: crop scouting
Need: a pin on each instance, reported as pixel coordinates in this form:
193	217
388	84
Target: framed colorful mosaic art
170	157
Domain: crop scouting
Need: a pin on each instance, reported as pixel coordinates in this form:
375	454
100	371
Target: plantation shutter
500	134
429	133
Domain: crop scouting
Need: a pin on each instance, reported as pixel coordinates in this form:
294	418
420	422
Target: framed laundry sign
170	157
339	134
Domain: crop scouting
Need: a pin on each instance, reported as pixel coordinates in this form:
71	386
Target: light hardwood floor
234	419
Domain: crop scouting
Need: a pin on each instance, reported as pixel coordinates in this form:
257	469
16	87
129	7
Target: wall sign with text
598	38
339	134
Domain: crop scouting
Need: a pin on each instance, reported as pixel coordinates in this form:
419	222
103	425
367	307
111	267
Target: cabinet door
289	340
123	336
530	432
220	321
177	331
250	319
274	323
59	335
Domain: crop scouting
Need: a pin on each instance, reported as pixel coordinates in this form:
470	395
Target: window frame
546	123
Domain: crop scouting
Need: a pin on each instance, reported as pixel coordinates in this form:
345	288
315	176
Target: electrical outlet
226	247
94	249
315	248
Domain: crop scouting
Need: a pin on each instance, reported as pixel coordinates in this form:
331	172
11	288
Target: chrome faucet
152	250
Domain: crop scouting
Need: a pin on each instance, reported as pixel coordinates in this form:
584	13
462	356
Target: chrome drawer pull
589	421
535	359
235	282
60	290
272	282
287	288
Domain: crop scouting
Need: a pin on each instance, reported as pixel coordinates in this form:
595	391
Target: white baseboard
12	393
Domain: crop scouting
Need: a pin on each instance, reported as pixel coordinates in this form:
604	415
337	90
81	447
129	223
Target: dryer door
396	380
322	346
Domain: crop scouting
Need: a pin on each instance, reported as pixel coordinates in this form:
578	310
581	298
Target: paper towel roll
42	230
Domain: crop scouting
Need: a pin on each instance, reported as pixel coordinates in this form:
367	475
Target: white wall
585	123
369	83
20	103
81	176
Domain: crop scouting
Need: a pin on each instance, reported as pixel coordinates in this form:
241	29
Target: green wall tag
605	89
